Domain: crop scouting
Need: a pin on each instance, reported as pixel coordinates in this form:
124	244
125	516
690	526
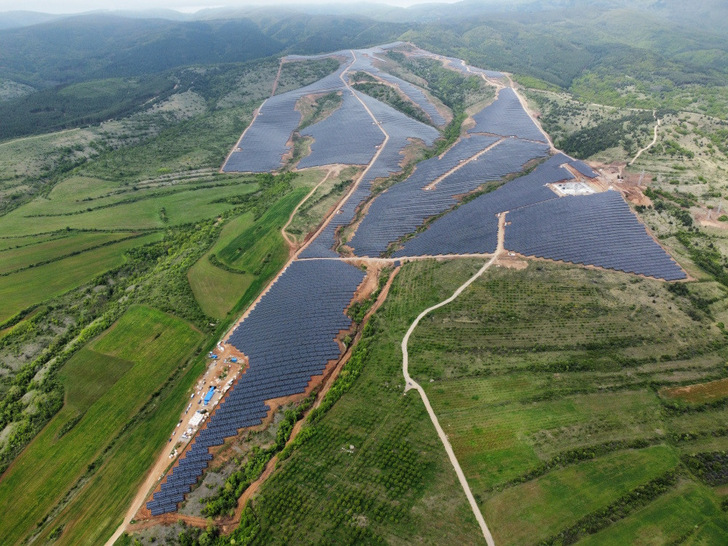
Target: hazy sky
74	6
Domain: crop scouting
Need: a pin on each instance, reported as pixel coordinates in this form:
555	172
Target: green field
251	253
687	515
529	513
546	381
262	242
27	256
150	209
35	285
83	468
216	289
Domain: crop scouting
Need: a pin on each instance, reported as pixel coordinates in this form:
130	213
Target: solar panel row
288	338
507	117
598	229
405	206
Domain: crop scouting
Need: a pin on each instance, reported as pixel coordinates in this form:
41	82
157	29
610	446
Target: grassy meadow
551	383
106	435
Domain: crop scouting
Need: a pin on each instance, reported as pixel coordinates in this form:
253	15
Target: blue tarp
209	394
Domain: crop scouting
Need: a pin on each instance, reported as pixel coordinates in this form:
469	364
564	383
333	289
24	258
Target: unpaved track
278	76
412	384
290	242
369	166
651	144
432	185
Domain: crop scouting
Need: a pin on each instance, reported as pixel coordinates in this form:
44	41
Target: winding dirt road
288	239
412	384
651	144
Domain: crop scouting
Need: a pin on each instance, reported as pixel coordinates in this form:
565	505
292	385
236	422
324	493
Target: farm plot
688	511
546	376
537	510
56	248
699	393
87	449
288	337
597	229
150	209
37	284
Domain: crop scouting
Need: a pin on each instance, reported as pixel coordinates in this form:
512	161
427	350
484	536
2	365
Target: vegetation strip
620	509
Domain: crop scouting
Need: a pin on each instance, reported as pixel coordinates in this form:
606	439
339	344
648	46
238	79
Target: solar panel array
467	70
458	65
288	338
598	229
262	146
348	136
507	117
405	206
364	62
400	129
472	228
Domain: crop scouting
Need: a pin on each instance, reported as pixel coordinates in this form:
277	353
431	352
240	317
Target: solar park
289	336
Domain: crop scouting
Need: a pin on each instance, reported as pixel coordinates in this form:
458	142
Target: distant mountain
102	45
18	19
97	46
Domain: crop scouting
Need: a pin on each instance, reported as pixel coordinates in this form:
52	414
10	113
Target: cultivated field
123	393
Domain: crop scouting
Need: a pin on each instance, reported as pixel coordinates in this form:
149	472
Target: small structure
209	395
196	419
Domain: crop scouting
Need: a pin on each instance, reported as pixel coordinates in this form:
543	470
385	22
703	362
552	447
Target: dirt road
369	166
290	242
651	144
412	384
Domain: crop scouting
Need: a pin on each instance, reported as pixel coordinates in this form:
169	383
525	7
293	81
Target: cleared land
84	467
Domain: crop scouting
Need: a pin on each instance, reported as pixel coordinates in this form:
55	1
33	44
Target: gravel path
651	144
412	384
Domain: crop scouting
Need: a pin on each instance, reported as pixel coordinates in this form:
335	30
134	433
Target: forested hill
642	54
87	47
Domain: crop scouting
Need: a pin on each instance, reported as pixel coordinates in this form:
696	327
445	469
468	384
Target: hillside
289	190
